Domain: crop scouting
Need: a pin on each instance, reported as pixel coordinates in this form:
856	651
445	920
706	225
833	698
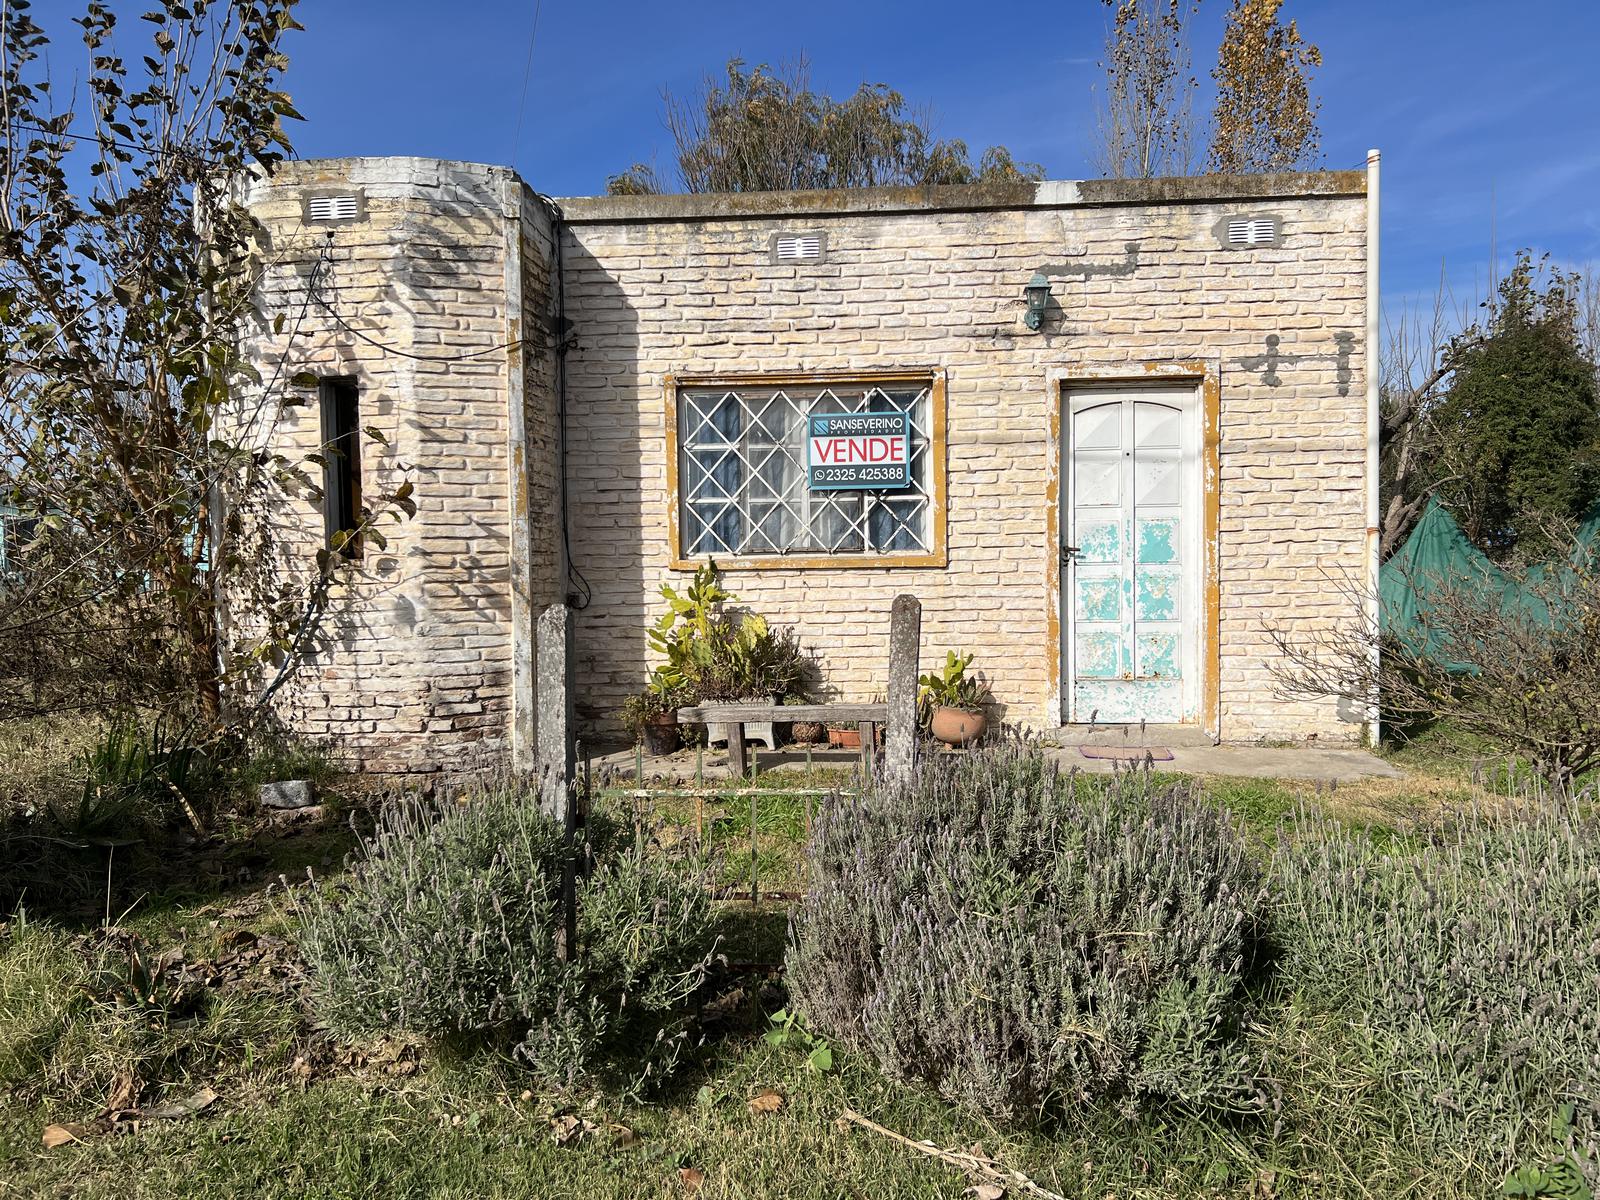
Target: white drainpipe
1370	371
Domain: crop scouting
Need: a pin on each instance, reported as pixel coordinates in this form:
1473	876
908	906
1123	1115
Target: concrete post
905	647
524	699
554	652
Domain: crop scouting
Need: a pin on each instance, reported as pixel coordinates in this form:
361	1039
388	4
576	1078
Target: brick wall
414	664
420	659
1133	285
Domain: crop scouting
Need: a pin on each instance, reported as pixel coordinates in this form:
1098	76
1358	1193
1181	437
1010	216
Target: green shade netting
1437	557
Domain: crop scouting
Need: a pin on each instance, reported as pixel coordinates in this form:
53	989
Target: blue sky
1477	105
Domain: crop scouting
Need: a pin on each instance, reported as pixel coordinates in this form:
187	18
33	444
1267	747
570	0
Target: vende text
842	451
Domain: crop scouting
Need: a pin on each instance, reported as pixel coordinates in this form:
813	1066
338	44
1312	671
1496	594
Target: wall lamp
1038	294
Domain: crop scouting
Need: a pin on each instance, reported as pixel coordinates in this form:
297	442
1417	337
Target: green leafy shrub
448	928
744	657
715	655
1024	942
1466	974
951	686
130	774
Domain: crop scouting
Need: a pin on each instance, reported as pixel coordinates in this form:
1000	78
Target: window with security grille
742	472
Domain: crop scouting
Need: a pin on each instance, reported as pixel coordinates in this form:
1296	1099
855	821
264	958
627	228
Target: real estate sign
858	450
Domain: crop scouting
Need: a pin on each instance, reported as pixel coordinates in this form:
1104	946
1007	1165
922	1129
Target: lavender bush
1466	971
448	928
1023	941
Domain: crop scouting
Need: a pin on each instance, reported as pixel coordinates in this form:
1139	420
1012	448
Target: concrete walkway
617	767
1253	762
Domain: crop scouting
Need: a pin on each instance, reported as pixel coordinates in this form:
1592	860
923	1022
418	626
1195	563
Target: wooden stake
755	888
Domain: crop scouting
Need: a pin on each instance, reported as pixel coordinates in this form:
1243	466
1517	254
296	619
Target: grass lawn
84	1035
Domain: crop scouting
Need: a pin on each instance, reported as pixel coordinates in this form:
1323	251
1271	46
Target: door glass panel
1099	482
1099	542
1099	655
1155	426
1157	540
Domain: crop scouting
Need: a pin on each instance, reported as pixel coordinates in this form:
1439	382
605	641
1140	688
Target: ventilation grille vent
343	207
1252	231
797	247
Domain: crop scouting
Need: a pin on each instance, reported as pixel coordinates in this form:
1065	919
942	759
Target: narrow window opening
341	470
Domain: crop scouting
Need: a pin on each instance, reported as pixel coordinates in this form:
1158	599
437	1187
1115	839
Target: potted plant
806	733
843	736
652	714
846	735
954	701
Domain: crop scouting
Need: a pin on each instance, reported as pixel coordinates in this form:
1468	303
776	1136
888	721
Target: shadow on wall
614	414
416	641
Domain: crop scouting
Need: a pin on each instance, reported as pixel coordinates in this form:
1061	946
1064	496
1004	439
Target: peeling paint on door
1132	463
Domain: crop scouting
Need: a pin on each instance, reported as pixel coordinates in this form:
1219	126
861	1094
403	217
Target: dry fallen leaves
59	1135
568	1127
125	1089
177	1110
765	1101
691	1178
985	1191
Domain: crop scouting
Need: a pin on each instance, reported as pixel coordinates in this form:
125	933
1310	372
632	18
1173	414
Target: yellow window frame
937	554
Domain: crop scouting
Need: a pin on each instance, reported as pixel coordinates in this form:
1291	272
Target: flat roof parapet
1050	193
402	173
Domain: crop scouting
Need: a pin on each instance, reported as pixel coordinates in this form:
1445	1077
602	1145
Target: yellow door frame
1205	374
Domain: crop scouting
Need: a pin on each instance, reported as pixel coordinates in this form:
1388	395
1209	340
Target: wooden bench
867	718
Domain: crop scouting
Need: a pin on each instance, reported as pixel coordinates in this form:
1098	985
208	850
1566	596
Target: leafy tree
1145	119
132	430
1265	117
1417	364
767	130
1518	453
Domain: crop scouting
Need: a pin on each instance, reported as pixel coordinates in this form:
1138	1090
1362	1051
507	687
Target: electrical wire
388	349
527	71
581	593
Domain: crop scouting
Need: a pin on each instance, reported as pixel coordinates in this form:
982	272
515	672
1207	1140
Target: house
1111	433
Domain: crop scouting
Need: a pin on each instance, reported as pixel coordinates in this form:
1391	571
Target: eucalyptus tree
766	129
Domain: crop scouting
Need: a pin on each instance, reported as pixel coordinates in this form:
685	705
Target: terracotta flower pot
661	734
958	726
845	739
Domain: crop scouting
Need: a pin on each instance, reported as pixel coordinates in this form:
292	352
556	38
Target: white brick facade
656	287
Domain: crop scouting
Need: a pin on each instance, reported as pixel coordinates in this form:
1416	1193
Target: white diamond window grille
742	473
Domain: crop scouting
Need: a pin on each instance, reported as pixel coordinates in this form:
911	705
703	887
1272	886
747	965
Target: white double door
1131	555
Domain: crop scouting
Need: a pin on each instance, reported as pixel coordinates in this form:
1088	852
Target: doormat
1137	753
